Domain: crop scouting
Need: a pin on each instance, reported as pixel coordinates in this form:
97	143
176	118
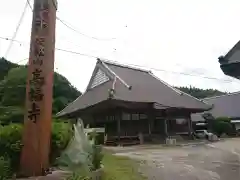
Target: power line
17	28
29	4
59	49
10	39
74	52
174	72
151	68
73	29
145	67
82	54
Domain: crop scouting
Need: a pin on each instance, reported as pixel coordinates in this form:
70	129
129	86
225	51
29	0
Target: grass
120	168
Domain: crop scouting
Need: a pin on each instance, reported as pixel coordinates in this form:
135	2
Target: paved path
218	161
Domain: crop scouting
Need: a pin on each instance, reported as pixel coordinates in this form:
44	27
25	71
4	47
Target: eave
230	69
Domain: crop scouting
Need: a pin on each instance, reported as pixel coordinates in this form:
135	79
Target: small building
230	63
223	106
132	103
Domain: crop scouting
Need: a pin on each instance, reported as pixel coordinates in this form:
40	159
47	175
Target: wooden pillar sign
38	115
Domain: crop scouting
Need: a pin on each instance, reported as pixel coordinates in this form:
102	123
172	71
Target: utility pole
38	113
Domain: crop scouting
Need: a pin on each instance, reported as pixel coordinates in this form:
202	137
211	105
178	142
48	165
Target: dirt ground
216	161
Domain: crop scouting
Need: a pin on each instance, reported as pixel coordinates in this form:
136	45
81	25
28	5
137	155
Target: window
181	121
126	116
135	116
143	116
111	118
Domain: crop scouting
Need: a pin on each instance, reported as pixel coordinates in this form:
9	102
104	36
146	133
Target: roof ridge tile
122	65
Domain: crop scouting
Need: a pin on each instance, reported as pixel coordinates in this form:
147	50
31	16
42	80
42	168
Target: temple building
133	104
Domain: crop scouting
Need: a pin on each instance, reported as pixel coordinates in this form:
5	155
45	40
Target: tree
13	93
12	87
5	66
200	93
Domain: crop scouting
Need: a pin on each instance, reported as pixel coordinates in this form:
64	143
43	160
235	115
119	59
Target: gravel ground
217	161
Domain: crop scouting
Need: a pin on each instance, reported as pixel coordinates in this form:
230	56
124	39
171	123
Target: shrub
11	138
224	119
10	143
97	157
221	127
61	135
5	170
11	114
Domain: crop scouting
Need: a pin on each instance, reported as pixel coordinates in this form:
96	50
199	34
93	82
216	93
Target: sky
175	37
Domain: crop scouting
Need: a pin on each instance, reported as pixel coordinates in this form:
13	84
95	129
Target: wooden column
166	127
151	117
38	114
118	126
165	116
189	126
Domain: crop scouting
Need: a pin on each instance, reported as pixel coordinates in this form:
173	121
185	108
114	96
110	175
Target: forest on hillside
12	92
201	93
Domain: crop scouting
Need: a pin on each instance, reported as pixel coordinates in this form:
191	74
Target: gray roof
223	106
230	63
233	55
134	85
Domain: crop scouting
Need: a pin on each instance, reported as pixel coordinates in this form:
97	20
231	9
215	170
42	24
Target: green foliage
13	92
5	170
220	127
12	103
11	114
78	153
200	93
120	168
13	87
61	135
11	138
97	157
224	119
5	66
10	143
63	92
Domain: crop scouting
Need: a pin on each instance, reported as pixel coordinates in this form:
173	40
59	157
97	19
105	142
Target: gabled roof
230	63
134	85
223	106
233	55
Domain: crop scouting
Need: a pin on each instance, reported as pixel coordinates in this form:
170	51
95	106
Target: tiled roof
135	85
223	106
